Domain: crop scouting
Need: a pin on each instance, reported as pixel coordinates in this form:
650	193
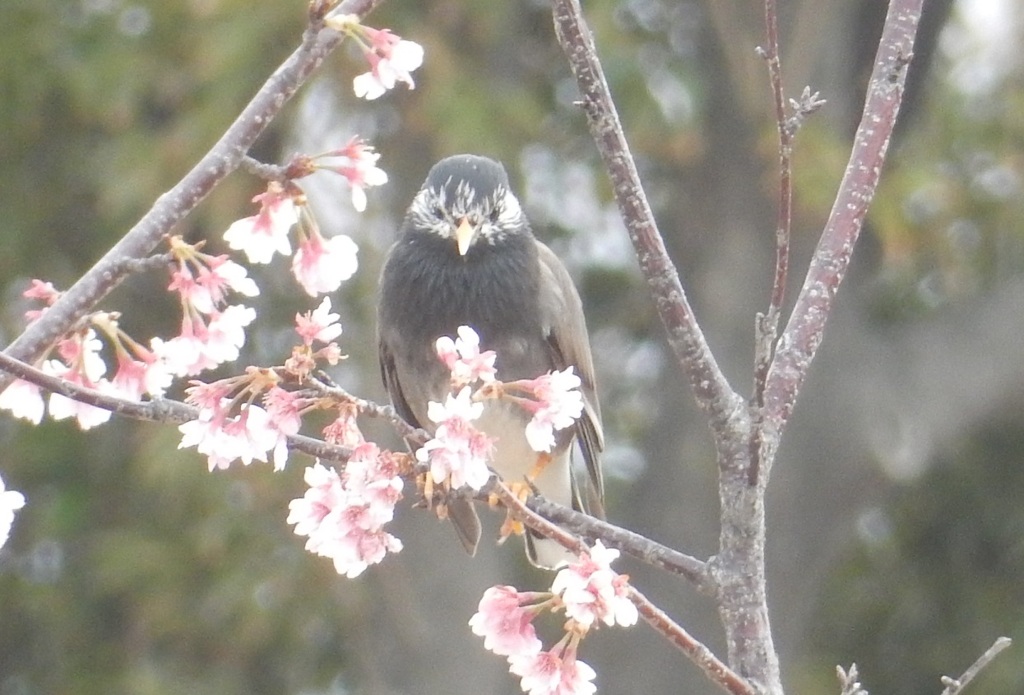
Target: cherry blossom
285	411
82	365
321	265
463	358
458	452
318	325
343	514
207	289
23	399
557	404
10	502
202	345
266	232
591	591
357	162
223	438
503	622
391	58
554	672
134	378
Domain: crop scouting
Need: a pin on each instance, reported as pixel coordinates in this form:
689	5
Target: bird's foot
543	460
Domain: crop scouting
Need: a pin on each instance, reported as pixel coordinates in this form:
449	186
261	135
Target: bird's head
466	198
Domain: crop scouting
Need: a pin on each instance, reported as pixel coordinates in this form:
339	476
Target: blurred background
896	528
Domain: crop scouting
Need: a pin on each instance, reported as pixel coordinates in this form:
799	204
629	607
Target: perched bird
466	256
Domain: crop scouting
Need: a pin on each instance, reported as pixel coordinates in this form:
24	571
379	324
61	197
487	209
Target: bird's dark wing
460	510
569	344
389	375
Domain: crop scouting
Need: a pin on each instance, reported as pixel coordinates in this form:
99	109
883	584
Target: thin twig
223	158
803	334
684	334
713	667
644	549
326	387
767	325
956	686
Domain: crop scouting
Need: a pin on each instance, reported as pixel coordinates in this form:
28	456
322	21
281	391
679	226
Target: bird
466	255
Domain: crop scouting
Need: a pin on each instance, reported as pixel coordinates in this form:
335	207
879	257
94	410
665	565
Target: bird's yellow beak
464	235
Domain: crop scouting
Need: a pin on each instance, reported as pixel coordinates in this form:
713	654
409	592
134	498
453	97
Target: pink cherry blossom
554	672
463	358
226	334
357	162
266	232
591	591
10	502
63	408
321	265
23	399
202	345
507	627
391	58
223	438
557	404
318	325
458	452
343	515
137	377
215	278
81	365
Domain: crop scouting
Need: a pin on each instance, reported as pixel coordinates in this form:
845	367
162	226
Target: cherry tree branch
803	334
550	518
223	158
158	410
766	327
684	334
718	672
642	548
955	686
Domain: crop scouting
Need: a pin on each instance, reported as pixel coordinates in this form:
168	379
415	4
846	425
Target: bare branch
223	158
803	333
713	667
955	686
766	326
684	335
644	549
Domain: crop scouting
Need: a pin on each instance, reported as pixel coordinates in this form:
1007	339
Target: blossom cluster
458	453
77	358
320	264
588	591
232	426
212	330
343	514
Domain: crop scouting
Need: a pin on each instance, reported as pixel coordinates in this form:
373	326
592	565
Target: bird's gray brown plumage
466	256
